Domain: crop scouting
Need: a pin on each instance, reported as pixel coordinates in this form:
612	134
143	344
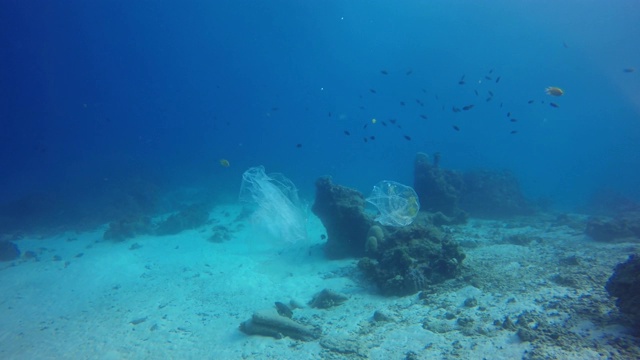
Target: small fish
491	71
298	145
323	237
514	131
373	91
384	72
329	113
347	133
456	128
384	123
513	120
554	105
283	310
419	102
554	91
455	109
365	139
361	107
393	121
402	103
490	93
488	78
409	72
489	99
467	107
224	163
423	116
629	70
424	91
500	105
365	125
275	109
461	81
372	137
530	101
476	91
509	114
564	44
498	79
407	137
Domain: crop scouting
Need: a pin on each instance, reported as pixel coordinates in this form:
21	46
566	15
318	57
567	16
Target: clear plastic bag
397	204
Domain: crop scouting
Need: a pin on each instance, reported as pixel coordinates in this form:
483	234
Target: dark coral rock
611	229
341	211
437	189
493	194
412	258
128	228
192	217
8	251
327	298
624	284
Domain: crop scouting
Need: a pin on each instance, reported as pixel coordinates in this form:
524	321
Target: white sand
189	296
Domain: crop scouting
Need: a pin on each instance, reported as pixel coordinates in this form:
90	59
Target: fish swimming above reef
554	91
224	163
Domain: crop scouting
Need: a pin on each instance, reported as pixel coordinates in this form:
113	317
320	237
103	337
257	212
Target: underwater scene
237	179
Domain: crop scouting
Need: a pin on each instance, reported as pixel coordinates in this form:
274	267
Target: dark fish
500	105
437	98
384	72
513	120
365	139
424	91
361	107
476	91
455	109
419	102
329	113
490	93
467	107
347	133
461	81
488	77
298	146
489	99
372	137
514	131
491	71
409	72
393	121
456	128
565	45
323	237
498	79
384	123
423	116
402	103
629	70
509	114
283	310
554	105
407	137
275	109
530	102
373	91
365	125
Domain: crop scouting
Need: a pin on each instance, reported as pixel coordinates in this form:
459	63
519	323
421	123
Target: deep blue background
98	92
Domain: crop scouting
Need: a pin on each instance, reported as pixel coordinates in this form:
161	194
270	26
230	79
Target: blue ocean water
97	95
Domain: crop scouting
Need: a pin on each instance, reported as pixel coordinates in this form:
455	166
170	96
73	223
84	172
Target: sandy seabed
184	297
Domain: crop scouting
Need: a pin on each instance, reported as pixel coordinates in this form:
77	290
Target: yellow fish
224	163
554	91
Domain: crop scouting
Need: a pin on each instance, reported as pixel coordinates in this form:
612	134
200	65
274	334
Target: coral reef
411	258
128	228
493	194
624	227
327	298
439	190
191	217
625	285
341	211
